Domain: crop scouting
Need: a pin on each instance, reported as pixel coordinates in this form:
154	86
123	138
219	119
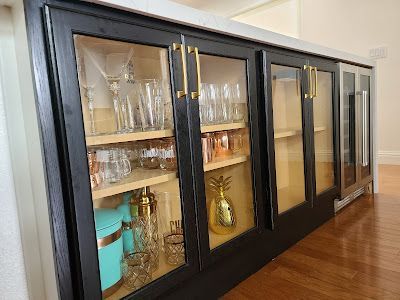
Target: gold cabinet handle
196	95
175	47
315	91
309	91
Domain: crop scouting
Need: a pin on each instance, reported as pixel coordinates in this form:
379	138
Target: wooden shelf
163	268
138	178
294	132
127	137
220	127
221	162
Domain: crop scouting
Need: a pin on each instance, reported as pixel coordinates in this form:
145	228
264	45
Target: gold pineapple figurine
221	218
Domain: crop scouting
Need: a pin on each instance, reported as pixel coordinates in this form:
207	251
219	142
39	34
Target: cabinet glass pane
128	121
349	129
288	136
323	133
365	126
226	148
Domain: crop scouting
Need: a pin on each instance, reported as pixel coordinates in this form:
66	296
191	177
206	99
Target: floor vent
339	204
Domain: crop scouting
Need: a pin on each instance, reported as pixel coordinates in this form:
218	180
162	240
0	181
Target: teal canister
127	235
110	249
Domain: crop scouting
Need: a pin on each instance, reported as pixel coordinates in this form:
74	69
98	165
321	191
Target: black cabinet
302	141
198	157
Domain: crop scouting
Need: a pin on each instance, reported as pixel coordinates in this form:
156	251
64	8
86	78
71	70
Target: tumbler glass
94	167
238	104
222	144
136	270
235	140
167	154
149	157
208	147
151	105
226	103
203	104
174	247
213	104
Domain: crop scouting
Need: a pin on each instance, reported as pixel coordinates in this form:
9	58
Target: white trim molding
389	157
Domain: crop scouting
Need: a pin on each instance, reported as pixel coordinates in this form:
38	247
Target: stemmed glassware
88	78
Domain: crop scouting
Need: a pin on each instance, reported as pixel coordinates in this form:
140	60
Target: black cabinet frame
222	268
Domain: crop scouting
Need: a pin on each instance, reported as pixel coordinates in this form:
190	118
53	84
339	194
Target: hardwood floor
356	255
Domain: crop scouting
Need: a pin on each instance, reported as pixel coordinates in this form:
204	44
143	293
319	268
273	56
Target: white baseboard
389	157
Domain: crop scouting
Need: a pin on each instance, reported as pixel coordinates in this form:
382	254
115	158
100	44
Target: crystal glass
145	227
174	247
136	270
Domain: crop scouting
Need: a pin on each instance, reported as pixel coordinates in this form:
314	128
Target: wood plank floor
356	255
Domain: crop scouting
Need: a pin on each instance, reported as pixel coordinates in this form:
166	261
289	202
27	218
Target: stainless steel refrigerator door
349	155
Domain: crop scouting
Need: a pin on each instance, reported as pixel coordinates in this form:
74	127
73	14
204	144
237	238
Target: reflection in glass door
288	136
223	108
365	125
323	133
132	156
349	129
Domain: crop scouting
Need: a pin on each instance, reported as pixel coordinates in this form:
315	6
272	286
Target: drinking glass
213	103
113	165
149	157
136	270
174	247
94	166
227	102
208	147
222	144
235	140
203	104
167	154
238	104
151	105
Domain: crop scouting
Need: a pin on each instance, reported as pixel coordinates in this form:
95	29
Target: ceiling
225	8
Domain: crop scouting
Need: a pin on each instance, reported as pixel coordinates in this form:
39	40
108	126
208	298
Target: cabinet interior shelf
293	132
139	178
219	127
127	137
221	162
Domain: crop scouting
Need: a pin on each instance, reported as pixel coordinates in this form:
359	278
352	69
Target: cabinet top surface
171	11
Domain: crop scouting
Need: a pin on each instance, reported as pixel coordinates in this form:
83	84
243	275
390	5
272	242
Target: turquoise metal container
127	235
110	248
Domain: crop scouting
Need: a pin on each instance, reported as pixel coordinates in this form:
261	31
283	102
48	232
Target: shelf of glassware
293	132
221	127
163	268
139	178
96	140
222	162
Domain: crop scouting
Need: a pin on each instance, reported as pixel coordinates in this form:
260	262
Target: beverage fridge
355	133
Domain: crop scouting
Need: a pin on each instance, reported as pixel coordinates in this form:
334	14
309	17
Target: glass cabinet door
349	129
226	148
288	136
323	133
132	155
364	127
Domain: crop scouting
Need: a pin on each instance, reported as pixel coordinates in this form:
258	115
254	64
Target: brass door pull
309	94
175	47
315	90
195	50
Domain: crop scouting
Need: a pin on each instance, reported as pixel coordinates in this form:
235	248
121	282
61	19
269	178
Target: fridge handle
365	161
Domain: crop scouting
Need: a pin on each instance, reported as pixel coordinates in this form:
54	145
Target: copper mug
222	144
208	147
93	169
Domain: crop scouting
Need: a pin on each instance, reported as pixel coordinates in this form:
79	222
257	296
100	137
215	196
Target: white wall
356	26
353	26
281	16
13	283
26	252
